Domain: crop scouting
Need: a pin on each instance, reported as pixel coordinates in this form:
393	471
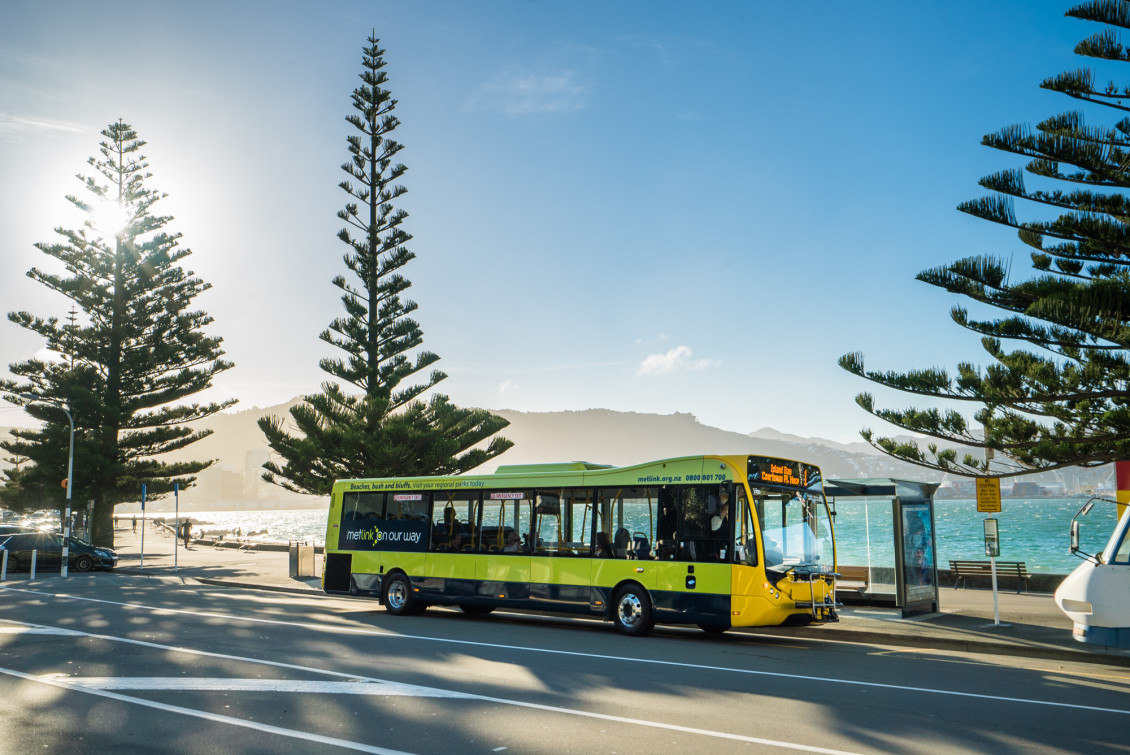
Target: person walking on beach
186	533
134	521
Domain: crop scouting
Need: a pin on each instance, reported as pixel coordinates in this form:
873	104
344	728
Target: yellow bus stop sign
989	494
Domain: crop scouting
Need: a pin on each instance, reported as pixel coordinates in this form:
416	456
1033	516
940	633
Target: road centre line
93	685
594	656
266	728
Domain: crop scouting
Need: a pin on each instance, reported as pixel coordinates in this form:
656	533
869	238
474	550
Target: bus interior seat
620	542
641	549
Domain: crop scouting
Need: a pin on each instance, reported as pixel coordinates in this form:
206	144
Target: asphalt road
108	663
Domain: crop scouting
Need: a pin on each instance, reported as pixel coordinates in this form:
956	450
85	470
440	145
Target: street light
70	476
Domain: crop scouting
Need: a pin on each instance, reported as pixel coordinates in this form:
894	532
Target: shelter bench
853	578
962	569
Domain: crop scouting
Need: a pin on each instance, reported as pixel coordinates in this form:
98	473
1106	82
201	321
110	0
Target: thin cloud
517	93
647	342
506	386
677	359
16	128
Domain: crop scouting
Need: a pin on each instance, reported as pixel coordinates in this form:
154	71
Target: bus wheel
713	628
398	597
476	610
631	611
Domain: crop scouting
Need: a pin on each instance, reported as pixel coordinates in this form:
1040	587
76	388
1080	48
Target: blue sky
641	206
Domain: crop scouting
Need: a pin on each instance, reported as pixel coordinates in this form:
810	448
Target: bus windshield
792	515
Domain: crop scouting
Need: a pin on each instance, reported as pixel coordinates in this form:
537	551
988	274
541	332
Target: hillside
596	435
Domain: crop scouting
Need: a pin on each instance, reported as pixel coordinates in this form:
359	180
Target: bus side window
363	507
668	525
548	531
745	542
1122	555
454	518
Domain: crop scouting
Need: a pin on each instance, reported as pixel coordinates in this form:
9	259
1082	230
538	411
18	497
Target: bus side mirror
1074	536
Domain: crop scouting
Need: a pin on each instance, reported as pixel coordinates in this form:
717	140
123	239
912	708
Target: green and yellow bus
717	541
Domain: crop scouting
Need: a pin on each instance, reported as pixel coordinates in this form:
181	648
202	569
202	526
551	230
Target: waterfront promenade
1031	624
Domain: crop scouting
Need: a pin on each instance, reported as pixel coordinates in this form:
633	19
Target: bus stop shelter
885	543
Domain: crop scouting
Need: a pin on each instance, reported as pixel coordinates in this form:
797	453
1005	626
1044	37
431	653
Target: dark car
49	553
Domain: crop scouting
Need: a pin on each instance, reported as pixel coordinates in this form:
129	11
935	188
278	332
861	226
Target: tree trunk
102	525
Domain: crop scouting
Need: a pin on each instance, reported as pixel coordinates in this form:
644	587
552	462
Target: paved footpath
1031	624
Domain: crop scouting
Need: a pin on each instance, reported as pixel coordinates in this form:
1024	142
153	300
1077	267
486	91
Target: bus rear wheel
398	597
631	611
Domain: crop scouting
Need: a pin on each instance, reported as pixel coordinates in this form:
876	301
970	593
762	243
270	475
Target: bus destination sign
790	474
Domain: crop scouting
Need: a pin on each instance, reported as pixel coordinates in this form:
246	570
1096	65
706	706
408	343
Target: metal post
70	474
4	566
70	485
992	558
996	605
33	556
142	524
176	510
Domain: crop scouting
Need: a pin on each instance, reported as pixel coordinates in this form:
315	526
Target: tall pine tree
384	429
1062	397
128	359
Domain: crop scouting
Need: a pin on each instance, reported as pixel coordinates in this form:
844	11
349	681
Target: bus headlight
1077	606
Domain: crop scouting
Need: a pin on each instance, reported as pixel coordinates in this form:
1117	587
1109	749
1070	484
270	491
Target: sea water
1035	531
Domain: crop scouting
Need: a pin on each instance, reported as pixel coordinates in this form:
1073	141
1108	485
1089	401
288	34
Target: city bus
713	541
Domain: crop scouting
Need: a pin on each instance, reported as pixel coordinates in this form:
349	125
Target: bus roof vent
567	466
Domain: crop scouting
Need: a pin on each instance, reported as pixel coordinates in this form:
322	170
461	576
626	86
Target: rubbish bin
301	559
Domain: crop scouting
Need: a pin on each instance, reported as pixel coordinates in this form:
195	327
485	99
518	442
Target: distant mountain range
595	435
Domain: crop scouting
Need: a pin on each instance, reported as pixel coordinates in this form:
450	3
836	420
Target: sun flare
110	217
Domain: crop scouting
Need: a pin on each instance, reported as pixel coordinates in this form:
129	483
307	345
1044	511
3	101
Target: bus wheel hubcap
630	609
396	594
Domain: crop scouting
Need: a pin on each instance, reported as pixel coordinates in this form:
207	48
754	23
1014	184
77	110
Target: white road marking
266	728
551	651
201	684
77	683
39	630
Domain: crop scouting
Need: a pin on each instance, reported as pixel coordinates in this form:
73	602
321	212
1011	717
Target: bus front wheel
398	597
631	611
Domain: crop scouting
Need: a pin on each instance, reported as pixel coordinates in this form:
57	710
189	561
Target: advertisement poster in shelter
918	551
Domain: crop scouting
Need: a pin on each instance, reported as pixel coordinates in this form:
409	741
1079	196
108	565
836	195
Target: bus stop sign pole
989	501
992	550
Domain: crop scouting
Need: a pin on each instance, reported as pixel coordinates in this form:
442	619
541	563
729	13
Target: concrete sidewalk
1031	624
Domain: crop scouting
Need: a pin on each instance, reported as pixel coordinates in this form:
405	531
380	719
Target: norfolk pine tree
1063	399
385	429
129	361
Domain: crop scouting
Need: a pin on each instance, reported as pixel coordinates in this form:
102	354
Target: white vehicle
1096	596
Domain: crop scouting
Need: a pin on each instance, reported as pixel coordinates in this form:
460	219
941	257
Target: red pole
1122	485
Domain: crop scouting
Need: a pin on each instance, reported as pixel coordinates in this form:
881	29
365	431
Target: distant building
253	461
1026	489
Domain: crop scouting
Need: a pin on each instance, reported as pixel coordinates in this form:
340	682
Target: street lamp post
70	477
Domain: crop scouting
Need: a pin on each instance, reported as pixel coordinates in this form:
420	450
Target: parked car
82	555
